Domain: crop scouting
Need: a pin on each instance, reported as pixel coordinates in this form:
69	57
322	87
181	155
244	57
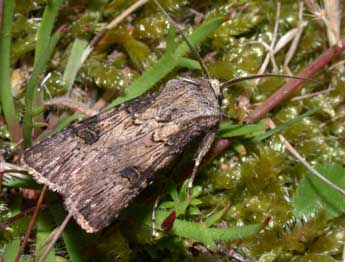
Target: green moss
24	37
152	27
106	76
85	25
53	85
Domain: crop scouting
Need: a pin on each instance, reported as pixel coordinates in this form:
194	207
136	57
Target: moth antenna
190	45
245	78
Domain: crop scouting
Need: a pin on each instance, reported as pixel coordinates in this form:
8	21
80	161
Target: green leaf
74	62
44	48
313	195
188	63
194	211
195	202
228	130
201	233
19	180
6	98
167	205
283	126
199	35
172	190
168	62
65	122
234	233
181	199
171	45
11	248
211	220
45	29
79	48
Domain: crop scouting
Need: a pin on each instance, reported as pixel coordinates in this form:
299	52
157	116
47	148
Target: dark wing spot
88	135
132	174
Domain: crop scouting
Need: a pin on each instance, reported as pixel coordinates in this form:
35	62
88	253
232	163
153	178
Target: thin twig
296	39
328	17
322	92
31	224
56	236
270	54
22	214
333	20
293	85
304	162
274	38
44	243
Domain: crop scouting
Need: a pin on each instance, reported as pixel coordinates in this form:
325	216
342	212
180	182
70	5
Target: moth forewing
100	164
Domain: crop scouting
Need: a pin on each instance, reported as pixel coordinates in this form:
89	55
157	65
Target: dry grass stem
328	14
300	158
270	55
310	95
292	50
31	224
333	20
45	242
274	38
294	84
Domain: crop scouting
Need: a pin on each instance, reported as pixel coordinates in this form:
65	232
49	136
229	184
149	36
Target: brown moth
101	163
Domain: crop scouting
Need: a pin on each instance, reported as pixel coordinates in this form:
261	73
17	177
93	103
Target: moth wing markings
52	160
95	201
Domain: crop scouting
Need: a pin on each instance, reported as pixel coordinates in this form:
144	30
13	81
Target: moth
99	165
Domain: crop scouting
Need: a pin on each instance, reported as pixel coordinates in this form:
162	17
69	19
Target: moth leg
204	147
154	220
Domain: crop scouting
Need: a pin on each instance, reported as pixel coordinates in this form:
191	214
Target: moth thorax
216	87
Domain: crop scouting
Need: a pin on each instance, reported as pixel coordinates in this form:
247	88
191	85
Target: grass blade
284	126
44	47
74	62
229	130
65	122
12	247
6	98
168	62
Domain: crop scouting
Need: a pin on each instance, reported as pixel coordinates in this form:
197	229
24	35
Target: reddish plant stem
294	84
218	147
31	224
280	95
